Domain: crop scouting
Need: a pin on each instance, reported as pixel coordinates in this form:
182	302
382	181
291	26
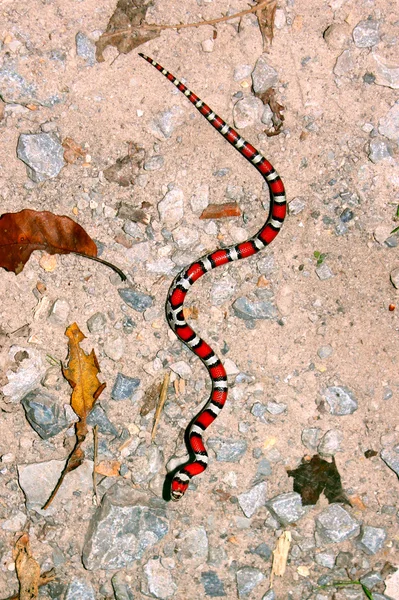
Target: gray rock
253	499
264	469
345	64
59	312
263	550
247	580
171	207
154	163
385	75
14	87
98	417
122	528
390	456
38	480
371	579
235	192
263	76
228	450
267	116
15	523
365	34
381	150
270	595
340	400
79	590
42	153
114	348
346	215
85	48
134	231
122	591
185	237
325	559
223	290
145	464
124	387
335	524
371	539
43	413
135	299
276	408
324	352
182	369
192	545
310	437
213	586
247	310
31	369
166	122
266	265
324	272
241	72
96	322
159	583
330	443
389	125
297	205
286	508
247	112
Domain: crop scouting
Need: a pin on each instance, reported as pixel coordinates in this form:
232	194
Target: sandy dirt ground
334	324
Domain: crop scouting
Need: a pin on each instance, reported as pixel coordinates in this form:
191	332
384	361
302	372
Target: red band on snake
185	279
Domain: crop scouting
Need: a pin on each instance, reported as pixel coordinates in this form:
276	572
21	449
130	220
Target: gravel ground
307	329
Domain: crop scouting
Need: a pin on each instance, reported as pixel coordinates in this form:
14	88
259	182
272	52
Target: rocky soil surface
307	329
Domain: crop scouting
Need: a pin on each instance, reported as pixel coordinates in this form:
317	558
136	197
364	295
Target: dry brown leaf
220	211
82	375
125	170
125	28
28	569
72	150
151	396
266	15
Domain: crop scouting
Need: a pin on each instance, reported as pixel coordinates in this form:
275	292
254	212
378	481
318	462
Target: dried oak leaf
23	232
28	569
220	211
315	476
266	16
125	28
81	373
126	169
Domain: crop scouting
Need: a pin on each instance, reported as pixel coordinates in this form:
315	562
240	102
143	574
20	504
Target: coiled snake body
185	279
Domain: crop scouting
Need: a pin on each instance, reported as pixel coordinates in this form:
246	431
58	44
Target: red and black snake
185	279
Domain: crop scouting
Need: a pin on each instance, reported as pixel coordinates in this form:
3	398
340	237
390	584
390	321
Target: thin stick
95	462
162	399
153	26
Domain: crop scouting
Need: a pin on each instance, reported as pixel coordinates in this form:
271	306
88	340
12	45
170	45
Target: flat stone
253	499
381	150
159	582
15	523
325	559
122	528
248	579
14	87
270	595
371	539
96	322
263	550
286	508
389	124
242	72
28	375
42	153
98	417
371	580
171	207
59	312
310	437
192	544
330	443
247	112
276	408
145	464
124	387
85	48
297	205
213	586
162	266
345	64
324	272
324	352
200	199
248	310
185	237
228	450
341	400
365	34
385	75
182	369
154	163
134	231
335	525
38	480
114	348
390	456
79	590
263	76
135	299
122	590
223	290
43	413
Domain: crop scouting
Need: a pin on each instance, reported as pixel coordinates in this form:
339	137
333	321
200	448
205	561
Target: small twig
153	26
95	462
158	411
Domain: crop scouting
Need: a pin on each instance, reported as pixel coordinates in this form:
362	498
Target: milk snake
183	281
